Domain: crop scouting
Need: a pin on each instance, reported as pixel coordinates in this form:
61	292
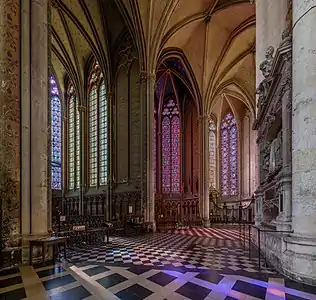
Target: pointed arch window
56	136
170	140
74	141
212	153
229	155
98	128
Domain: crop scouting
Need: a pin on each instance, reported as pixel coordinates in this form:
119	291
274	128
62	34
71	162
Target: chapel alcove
176	147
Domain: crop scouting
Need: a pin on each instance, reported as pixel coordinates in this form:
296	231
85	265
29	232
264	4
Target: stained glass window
103	135
56	136
170	140
71	142
229	156
212	154
98	129
78	142
93	136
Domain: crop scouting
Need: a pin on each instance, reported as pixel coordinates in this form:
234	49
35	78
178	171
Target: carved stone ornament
270	204
270	118
276	153
286	37
262	92
266	65
55	3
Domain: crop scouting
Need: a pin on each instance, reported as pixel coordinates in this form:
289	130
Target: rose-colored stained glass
56	136
175	154
212	154
229	156
170	148
165	143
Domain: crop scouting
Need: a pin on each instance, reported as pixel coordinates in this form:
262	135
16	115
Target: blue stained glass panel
229	156
56	136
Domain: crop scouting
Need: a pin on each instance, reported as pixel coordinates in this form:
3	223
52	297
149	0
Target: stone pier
10	132
39	116
301	246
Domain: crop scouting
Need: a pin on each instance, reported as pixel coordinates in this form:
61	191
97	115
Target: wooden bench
44	243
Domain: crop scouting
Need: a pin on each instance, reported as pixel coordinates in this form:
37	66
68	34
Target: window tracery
98	128
229	156
170	140
56	137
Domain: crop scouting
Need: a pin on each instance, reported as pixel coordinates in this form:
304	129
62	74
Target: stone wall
127	130
127	115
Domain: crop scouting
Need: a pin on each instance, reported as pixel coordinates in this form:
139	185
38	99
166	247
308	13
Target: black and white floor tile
173	251
157	266
141	282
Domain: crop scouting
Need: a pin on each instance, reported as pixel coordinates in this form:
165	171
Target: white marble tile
63	288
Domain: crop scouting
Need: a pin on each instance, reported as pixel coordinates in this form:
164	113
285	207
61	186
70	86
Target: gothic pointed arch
73	138
97	127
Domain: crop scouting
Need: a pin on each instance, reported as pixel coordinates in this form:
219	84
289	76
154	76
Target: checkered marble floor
163	249
217	233
154	266
152	283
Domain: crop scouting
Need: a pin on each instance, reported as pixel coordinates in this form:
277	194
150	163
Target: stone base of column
206	223
12	254
151	226
37	252
258	221
282	223
299	258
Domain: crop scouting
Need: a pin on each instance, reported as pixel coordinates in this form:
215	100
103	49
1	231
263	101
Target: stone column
301	246
10	131
108	212
149	80
83	184
25	119
304	118
39	116
204	155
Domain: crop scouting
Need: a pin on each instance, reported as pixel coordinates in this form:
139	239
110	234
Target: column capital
146	76
204	117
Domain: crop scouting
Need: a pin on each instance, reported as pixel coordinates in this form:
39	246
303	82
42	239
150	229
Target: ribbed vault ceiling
216	36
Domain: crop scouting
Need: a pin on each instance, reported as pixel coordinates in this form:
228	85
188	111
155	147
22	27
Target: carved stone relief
266	66
274	104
